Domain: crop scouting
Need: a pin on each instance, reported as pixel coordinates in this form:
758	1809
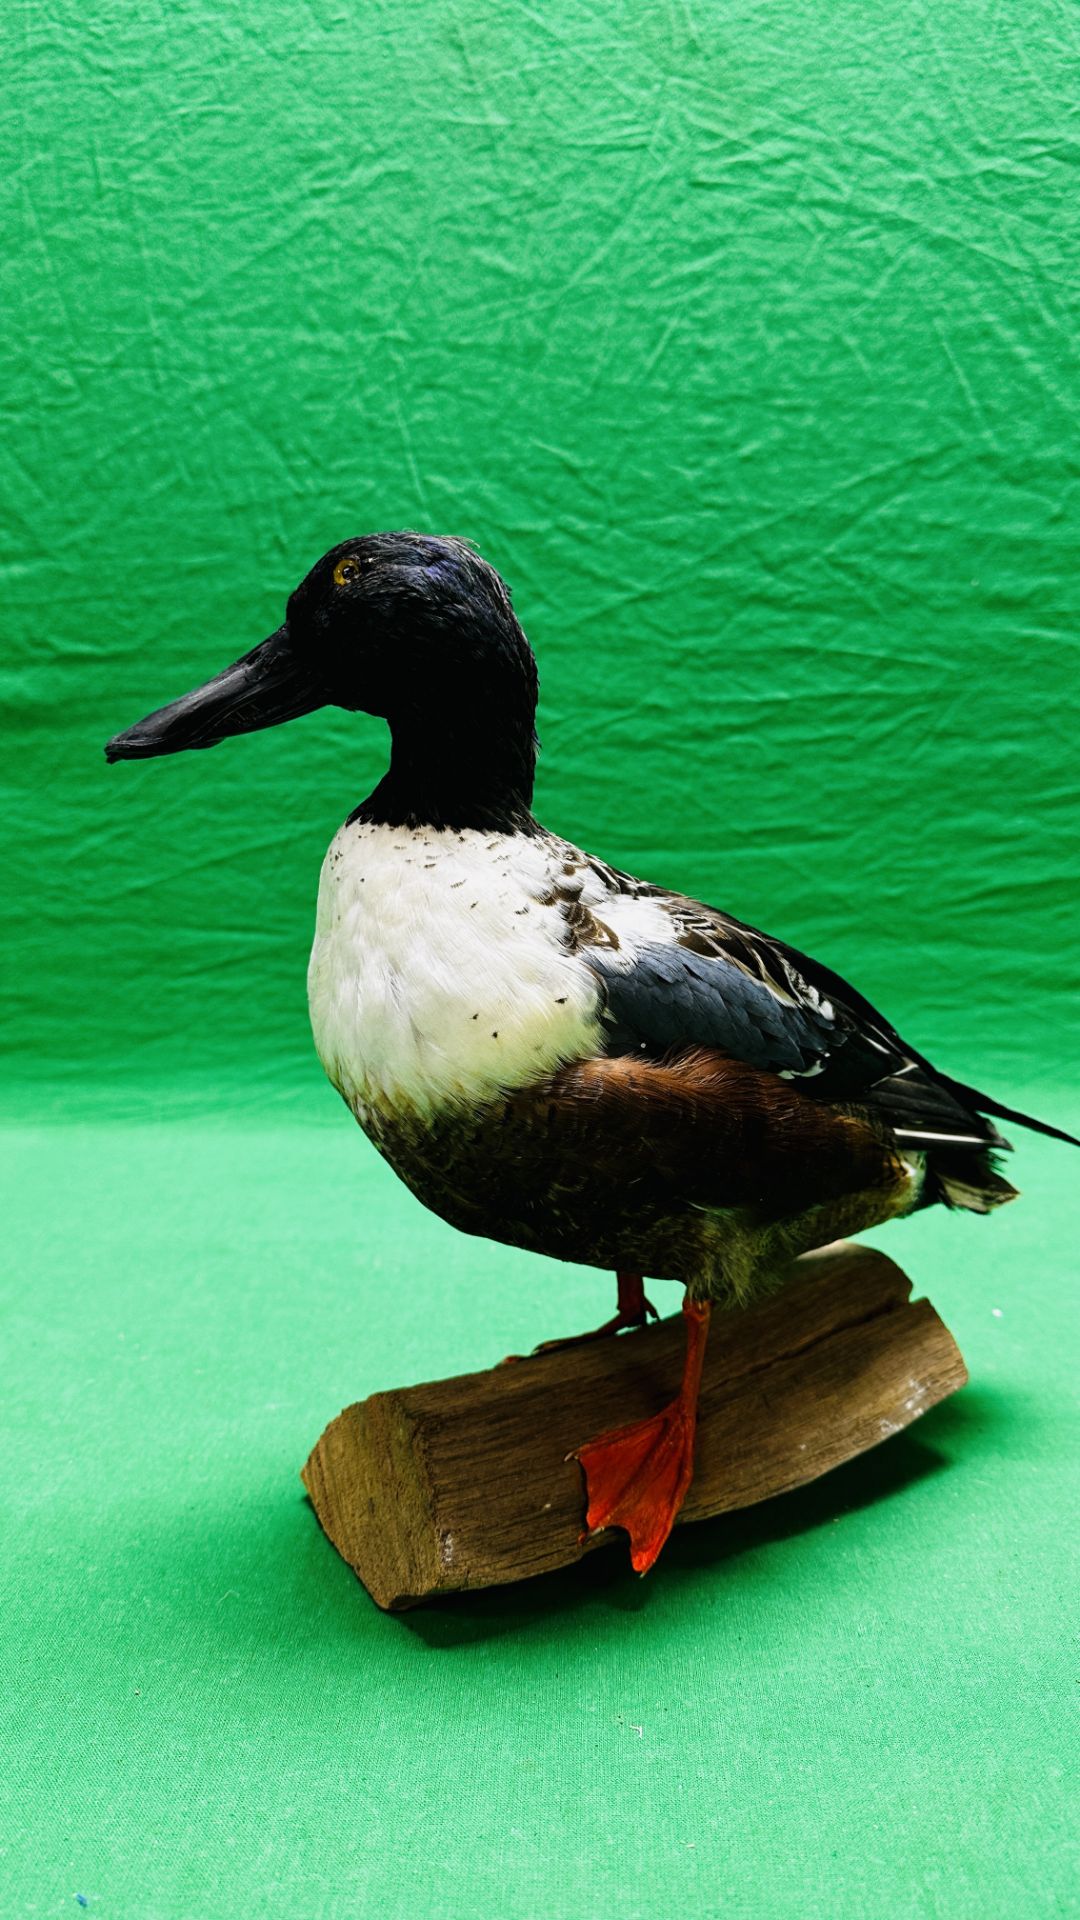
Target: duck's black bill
267	686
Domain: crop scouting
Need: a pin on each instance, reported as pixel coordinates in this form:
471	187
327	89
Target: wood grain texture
466	1483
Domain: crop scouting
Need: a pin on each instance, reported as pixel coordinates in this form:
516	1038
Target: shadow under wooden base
465	1483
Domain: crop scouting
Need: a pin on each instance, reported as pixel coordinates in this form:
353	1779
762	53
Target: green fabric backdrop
741	340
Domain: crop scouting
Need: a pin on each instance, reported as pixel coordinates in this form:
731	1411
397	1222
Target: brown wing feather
706	1131
697	1167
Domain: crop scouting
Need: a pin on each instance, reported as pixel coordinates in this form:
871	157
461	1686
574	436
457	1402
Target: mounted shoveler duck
550	1052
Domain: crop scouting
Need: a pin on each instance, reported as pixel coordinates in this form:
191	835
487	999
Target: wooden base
466	1483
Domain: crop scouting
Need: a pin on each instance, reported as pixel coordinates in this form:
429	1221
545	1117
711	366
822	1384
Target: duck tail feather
959	1178
982	1103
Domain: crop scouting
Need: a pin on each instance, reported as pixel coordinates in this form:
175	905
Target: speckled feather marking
443	972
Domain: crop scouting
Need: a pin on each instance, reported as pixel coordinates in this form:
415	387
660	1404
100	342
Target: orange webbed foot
637	1476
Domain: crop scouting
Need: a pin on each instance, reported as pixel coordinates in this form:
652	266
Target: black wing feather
671	997
724	984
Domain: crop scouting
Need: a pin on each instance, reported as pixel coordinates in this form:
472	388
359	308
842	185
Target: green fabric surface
853	1701
740	340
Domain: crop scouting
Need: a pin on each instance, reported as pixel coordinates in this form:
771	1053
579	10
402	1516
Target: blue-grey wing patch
670	997
720	983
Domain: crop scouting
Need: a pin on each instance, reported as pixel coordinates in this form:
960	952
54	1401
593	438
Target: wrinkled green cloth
855	1700
739	339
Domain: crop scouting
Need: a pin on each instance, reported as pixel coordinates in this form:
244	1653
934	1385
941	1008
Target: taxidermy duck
550	1052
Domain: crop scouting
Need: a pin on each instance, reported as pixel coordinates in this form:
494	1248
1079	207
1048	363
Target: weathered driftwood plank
466	1483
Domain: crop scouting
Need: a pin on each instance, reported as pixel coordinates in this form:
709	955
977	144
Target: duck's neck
459	769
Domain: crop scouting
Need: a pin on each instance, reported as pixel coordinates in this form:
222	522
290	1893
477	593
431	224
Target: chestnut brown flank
698	1168
718	1133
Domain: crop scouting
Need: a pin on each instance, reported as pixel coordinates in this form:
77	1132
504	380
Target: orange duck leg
637	1476
633	1311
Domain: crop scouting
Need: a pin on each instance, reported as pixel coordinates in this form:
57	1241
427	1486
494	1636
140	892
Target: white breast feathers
442	971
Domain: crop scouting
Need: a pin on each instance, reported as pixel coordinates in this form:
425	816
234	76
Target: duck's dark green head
416	628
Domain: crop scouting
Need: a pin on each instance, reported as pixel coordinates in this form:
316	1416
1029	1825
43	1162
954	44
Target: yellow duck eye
346	571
